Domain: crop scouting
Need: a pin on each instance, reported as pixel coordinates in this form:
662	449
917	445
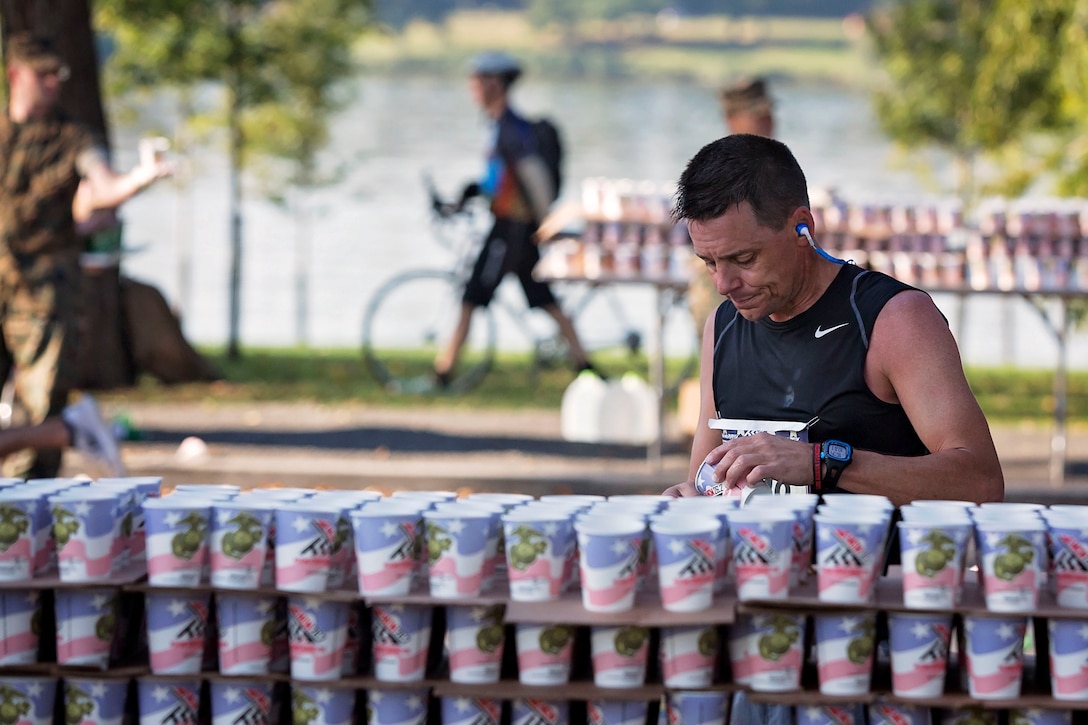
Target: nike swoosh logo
820	332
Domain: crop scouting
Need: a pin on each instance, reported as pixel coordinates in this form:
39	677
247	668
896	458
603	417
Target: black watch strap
833	467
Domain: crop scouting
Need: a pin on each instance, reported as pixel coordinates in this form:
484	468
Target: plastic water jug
628	412
579	413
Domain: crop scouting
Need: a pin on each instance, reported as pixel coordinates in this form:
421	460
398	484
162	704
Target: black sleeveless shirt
813	365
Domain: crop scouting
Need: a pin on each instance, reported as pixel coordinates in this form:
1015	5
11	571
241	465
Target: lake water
374	221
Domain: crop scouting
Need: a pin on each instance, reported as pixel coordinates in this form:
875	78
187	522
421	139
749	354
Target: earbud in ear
802	231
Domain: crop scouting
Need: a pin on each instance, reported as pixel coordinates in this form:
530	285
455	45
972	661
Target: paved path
387	448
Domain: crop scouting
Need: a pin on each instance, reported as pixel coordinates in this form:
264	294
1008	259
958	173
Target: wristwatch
835	457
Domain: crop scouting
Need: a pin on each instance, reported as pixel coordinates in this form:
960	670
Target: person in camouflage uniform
44	160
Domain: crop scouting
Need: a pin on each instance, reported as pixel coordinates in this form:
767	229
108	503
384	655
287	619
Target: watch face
838	451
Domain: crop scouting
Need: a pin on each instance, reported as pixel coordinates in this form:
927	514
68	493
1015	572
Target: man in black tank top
804	336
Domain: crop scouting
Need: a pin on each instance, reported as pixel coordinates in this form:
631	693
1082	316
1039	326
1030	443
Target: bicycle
408	316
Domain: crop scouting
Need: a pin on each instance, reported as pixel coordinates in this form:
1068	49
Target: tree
280	64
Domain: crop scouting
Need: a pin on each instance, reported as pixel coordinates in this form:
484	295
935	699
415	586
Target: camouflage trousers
39	305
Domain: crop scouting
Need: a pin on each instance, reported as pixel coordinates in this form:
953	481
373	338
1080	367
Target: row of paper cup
88	530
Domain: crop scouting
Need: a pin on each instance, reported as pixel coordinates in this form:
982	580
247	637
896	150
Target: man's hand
747	460
681	490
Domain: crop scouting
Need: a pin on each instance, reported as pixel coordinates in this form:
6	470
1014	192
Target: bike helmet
496	63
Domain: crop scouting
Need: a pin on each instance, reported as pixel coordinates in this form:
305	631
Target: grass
340	376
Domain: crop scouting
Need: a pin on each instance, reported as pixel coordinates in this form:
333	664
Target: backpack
549	145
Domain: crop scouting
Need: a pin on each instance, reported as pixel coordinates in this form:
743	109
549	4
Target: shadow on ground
408	440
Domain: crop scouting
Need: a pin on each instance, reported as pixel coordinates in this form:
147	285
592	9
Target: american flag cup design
849	555
128	505
177	626
86	622
688	655
32	698
919	653
616	712
1013	566
537	549
401	635
388	548
1069	556
609	556
239	544
1039	716
146	487
313	705
470	711
1068	658
85	529
696	708
766	653
317	632
18	628
242	702
305	541
169	702
762	553
687	554
883	712
95	701
455	549
995	656
541	712
177	532
619	655
396	707
932	556
45	547
830	715
544	653
18	514
474	642
844	652
246	631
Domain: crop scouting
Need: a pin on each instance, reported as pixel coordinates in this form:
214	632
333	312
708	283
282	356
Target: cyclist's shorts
508	248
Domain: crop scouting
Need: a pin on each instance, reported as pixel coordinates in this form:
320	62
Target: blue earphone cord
802	231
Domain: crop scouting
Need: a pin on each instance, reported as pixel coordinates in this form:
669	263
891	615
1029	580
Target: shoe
442	380
91	436
591	368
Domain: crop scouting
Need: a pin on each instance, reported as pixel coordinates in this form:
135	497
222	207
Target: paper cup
697	708
247	630
1069	557
617	712
456	548
538	545
388	543
762	541
883	712
306	538
86	623
470	711
177	550
401	637
94	701
619	655
239	543
933	558
169	701
687	551
474	643
85	529
844	652
242	701
32	697
1039	716
1013	564
688	655
544	653
919	653
129	502
609	553
828	714
177	626
19	510
19	611
849	554
1068	653
317	632
765	651
396	707
540	712
313	705
995	656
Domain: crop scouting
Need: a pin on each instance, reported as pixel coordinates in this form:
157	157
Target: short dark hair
746	95
742	168
38	51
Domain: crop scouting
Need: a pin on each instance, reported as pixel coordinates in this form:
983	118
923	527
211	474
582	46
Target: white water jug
580	412
628	411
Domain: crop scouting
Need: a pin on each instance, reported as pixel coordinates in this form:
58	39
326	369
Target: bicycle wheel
409	320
